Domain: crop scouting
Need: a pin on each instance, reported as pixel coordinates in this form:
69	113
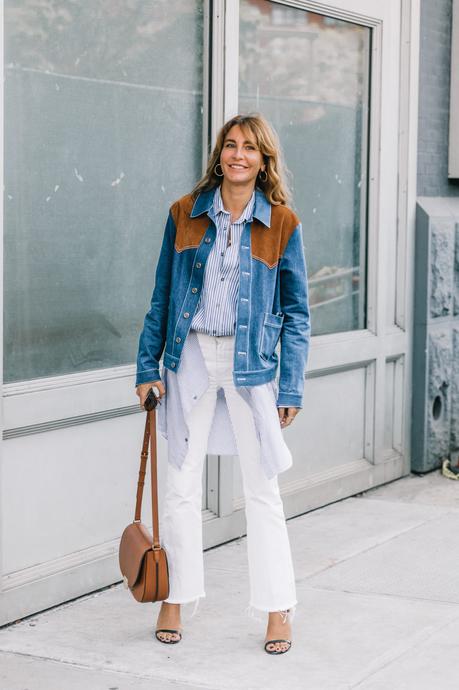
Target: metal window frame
65	400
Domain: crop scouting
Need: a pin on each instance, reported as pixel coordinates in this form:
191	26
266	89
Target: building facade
110	112
435	390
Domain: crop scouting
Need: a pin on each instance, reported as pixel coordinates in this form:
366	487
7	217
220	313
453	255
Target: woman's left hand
287	415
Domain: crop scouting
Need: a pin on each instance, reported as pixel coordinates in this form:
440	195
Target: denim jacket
273	304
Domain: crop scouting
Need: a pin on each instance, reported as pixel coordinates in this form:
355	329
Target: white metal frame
364	345
388	336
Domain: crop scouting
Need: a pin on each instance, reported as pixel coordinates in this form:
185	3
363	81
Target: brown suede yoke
190	231
268	244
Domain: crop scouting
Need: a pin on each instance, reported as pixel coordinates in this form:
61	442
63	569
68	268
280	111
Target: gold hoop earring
217	173
263	179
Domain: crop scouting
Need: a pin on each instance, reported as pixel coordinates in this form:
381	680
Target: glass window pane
103	128
308	74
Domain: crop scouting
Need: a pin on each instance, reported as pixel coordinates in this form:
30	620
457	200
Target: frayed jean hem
196	601
252	610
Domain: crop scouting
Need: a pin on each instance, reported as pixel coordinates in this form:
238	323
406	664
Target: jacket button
207	240
186	314
178	339
198	265
173	365
194	290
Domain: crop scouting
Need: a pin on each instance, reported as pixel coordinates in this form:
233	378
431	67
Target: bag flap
136	540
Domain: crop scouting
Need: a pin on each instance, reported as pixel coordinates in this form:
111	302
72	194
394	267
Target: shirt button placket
242	344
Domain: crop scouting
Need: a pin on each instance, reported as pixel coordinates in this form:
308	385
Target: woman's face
240	158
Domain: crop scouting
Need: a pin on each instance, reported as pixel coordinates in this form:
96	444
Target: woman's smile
240	157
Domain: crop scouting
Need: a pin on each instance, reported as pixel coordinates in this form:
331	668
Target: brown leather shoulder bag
143	562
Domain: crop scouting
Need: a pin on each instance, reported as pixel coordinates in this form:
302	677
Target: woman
231	283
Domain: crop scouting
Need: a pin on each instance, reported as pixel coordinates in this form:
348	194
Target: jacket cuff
289	400
147	376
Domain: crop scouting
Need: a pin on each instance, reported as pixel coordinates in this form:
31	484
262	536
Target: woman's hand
143	388
287	415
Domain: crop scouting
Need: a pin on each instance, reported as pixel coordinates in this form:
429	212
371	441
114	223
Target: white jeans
271	576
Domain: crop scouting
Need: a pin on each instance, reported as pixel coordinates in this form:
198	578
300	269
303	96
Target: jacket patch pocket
270	334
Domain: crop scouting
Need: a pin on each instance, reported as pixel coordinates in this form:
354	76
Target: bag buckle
156	547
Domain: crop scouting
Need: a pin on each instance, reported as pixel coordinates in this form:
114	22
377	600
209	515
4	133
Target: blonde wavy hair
275	187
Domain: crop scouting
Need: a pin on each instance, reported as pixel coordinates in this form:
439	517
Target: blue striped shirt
216	309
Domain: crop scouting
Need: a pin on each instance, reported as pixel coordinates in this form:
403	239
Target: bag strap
149	436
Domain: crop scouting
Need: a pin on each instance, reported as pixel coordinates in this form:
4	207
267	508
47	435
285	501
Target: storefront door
330	77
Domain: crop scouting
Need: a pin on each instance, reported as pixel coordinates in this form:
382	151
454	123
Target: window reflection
103	128
308	74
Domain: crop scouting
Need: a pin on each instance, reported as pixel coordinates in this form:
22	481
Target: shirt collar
261	206
219	207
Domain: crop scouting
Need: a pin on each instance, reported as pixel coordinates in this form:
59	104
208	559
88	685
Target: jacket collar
261	211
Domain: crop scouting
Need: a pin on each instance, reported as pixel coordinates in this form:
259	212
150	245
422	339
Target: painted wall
434	97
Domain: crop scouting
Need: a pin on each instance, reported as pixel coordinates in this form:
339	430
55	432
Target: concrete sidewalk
378	590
